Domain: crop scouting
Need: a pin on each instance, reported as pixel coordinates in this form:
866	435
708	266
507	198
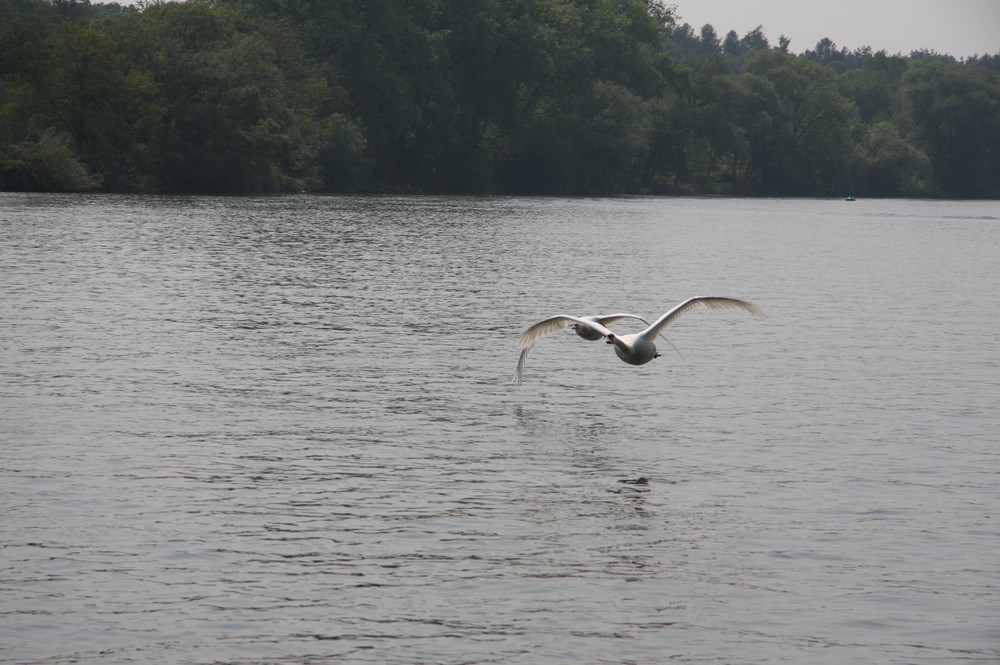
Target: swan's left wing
555	324
520	366
711	302
550	325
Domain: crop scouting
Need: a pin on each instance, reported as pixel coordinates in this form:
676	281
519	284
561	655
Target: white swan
582	325
635	349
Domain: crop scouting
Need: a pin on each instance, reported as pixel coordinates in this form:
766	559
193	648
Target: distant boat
850	197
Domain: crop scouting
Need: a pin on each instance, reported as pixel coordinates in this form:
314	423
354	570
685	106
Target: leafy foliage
539	96
45	165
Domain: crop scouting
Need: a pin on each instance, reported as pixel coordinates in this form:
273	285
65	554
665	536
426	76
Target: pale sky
956	27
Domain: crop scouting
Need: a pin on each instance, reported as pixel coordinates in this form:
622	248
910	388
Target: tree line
461	96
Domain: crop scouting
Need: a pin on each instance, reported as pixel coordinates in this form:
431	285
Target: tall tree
891	164
814	152
225	125
956	113
871	93
80	86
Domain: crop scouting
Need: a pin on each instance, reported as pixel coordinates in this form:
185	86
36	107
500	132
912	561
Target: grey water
282	430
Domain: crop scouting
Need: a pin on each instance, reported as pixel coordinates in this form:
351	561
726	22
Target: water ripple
280	430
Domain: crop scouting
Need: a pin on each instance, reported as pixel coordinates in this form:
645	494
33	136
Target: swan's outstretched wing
555	324
550	325
711	302
605	319
520	366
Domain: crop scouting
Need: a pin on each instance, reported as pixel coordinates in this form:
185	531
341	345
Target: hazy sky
955	27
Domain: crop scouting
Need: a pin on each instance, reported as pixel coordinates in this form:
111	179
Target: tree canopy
491	96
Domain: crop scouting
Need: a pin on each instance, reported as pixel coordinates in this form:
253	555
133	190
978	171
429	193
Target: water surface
281	430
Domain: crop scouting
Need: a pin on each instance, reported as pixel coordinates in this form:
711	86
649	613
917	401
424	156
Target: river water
281	430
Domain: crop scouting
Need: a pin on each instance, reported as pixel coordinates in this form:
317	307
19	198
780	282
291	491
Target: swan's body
635	349
591	328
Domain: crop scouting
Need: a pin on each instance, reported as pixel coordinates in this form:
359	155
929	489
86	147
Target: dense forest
490	96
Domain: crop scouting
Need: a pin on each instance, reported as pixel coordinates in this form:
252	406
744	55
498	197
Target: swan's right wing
605	319
550	325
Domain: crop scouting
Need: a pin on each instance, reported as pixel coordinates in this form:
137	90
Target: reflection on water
249	430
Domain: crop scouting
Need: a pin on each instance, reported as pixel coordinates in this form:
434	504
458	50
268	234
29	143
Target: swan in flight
582	325
635	349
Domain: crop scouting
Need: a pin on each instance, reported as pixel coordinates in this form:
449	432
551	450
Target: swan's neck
617	341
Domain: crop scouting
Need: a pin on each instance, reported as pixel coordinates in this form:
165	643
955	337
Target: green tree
571	113
956	114
461	94
892	166
755	40
225	125
892	67
327	147
870	91
24	26
80	86
46	165
732	46
709	41
757	136
554	96
827	53
810	150
385	61
695	133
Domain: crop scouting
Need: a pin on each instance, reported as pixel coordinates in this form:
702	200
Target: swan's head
611	339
